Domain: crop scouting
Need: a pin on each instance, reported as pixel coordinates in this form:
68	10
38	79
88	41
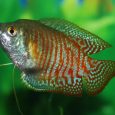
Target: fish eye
12	31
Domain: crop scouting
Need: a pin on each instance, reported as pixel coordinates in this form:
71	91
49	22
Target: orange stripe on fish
46	47
43	47
47	71
66	61
35	45
55	55
61	62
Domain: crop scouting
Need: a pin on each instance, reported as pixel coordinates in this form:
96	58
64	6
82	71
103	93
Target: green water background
97	16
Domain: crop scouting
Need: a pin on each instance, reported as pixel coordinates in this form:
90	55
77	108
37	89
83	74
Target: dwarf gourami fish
53	56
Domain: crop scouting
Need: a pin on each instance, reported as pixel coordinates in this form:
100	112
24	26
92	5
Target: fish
53	55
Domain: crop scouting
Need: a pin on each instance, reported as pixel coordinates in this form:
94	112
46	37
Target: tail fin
99	75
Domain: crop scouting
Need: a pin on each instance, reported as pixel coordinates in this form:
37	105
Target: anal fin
38	83
32	82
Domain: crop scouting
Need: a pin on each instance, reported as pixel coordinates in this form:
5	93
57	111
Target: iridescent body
53	56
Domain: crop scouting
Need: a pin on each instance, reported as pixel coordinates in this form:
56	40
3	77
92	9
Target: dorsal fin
89	42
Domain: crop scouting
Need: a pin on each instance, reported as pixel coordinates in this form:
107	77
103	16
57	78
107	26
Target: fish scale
65	71
67	63
53	56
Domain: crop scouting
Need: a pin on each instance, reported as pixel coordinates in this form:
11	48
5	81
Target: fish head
10	36
13	37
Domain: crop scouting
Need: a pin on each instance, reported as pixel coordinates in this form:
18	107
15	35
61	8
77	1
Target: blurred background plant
97	16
